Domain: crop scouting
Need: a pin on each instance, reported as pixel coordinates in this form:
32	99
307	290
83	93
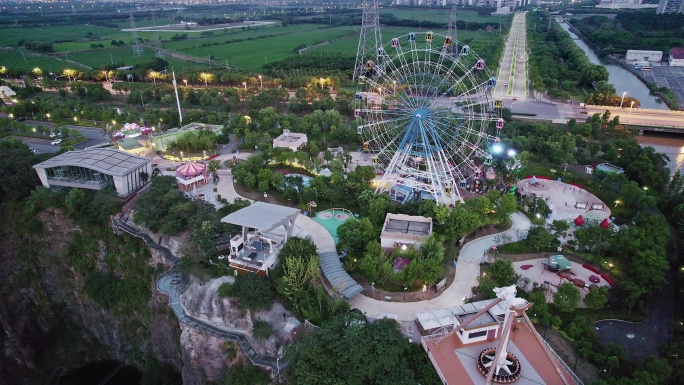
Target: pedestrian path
467	271
172	283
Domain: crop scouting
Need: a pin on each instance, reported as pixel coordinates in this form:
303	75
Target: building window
477	334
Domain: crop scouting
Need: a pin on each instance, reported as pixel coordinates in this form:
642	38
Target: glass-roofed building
95	169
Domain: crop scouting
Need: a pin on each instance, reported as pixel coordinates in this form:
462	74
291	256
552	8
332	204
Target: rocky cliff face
70	295
77	295
205	356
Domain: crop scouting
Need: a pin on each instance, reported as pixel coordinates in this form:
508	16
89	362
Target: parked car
56	142
53	134
505	84
519	71
515	98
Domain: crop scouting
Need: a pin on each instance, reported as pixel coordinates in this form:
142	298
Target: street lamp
321	80
261	83
394	87
204	76
631	105
623	98
186	82
106	75
48	116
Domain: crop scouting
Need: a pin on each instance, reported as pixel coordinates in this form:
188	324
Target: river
622	79
671	145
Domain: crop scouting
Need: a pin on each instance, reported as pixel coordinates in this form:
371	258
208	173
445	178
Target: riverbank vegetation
635	256
557	65
643	30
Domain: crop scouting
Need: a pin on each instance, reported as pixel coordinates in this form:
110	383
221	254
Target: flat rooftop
289	138
458	362
105	160
260	216
407	227
484	319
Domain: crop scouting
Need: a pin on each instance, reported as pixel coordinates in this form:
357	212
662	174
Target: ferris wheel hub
421	114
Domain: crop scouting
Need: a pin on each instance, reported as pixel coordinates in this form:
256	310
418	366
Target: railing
562	363
173	283
439	372
76	181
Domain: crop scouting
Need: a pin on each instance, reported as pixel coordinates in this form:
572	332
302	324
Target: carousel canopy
579	221
605	224
190	170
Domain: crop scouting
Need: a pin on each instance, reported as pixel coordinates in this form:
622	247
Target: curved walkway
172	283
467	271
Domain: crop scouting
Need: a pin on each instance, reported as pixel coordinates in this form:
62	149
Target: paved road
512	79
642	116
94	135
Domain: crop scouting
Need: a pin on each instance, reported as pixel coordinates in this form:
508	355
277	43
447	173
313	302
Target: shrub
252	292
261	330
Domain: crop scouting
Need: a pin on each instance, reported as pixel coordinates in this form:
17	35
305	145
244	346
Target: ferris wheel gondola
428	115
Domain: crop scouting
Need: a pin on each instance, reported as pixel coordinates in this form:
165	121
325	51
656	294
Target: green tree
370	263
346	350
354	235
245	375
17	173
261	330
75	203
252	292
567	297
504	206
541	239
559	227
597	298
213	166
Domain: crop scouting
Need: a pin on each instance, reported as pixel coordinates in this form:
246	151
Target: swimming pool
331	219
305	179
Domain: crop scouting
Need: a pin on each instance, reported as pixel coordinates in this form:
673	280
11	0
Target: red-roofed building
676	58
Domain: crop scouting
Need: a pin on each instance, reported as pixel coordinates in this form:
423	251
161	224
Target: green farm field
439	16
13	59
220	37
100	57
253	54
350	44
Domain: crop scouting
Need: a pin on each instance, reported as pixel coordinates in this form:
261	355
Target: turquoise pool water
331	219
305	179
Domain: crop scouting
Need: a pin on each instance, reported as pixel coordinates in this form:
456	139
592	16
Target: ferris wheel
427	116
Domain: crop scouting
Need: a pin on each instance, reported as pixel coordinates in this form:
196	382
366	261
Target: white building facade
643	55
96	169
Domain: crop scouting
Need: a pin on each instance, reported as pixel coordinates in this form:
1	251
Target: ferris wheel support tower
370	39
453	30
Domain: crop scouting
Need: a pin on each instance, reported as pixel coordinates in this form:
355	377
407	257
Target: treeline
557	65
39	46
632	31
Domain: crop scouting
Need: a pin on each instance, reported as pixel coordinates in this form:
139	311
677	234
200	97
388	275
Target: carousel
191	175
